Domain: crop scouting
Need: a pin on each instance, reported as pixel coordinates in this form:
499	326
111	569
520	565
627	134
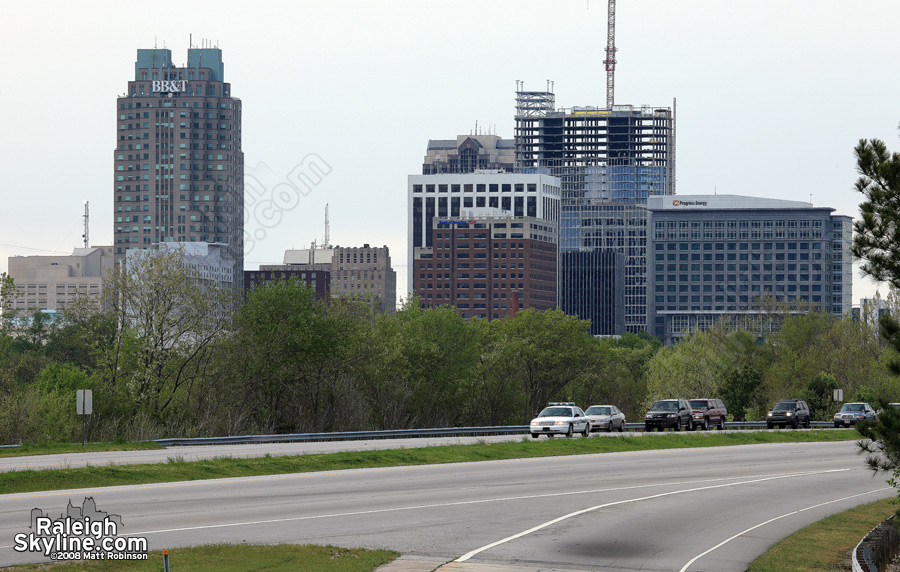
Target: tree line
166	354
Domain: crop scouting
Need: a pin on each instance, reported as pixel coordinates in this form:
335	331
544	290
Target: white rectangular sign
84	402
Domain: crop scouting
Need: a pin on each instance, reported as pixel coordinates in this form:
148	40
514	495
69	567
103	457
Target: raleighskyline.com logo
83	533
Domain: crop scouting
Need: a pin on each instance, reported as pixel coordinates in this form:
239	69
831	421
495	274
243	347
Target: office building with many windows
534	194
178	163
609	161
489	264
364	273
469	153
55	282
715	256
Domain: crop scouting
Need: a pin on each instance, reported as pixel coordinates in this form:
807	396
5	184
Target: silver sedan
606	417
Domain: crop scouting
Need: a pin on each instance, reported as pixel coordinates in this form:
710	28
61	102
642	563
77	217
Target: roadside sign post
166	559
84	406
838	395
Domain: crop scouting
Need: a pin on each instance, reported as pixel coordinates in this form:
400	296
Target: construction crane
610	60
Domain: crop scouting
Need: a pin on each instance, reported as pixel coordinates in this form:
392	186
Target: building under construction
609	161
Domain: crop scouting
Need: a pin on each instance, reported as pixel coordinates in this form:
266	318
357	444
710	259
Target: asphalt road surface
711	509
200	452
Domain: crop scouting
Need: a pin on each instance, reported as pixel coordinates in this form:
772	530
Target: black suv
665	413
793	412
708	412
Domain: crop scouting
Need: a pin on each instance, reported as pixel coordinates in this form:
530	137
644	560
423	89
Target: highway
200	452
712	509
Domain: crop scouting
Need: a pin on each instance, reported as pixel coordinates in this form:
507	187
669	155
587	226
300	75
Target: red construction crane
610	60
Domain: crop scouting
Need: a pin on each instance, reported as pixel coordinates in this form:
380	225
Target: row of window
195	104
480	188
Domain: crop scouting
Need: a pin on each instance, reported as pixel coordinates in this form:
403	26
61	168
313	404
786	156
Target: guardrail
409	433
877	548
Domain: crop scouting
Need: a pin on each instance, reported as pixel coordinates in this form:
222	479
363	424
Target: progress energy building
711	256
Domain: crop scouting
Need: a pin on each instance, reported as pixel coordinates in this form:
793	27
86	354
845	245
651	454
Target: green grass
179	470
824	546
239	558
58	448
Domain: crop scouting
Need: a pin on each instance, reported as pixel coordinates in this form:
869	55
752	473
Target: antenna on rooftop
327	243
87	217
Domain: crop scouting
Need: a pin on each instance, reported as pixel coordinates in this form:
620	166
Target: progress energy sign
677	203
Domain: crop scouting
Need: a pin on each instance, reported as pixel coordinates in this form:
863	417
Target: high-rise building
365	273
489	264
715	256
179	167
609	161
445	196
469	153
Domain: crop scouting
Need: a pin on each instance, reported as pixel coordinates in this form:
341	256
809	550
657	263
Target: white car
560	418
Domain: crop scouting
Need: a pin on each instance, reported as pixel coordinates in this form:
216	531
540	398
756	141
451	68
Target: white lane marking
472	502
469	555
726	541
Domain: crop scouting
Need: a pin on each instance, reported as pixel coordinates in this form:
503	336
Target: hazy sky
772	97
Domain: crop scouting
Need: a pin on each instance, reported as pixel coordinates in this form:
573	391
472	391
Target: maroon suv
708	412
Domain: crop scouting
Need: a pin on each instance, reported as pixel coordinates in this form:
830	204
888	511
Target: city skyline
770	102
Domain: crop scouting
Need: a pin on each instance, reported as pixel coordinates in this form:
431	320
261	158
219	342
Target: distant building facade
318	281
712	256
489	265
469	153
54	282
356	272
430	197
178	162
206	262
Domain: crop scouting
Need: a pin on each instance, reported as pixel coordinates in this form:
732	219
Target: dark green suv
789	412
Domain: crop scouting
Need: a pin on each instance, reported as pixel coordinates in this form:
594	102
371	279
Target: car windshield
556	412
853	407
665	405
598	411
699	403
782	406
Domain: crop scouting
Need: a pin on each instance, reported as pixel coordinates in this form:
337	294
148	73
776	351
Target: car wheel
808	423
721	424
535	435
571	431
795	424
769	426
587	429
609	427
678	424
622	426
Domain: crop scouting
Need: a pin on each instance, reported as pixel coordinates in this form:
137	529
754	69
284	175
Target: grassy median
65	448
239	558
179	470
824	546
